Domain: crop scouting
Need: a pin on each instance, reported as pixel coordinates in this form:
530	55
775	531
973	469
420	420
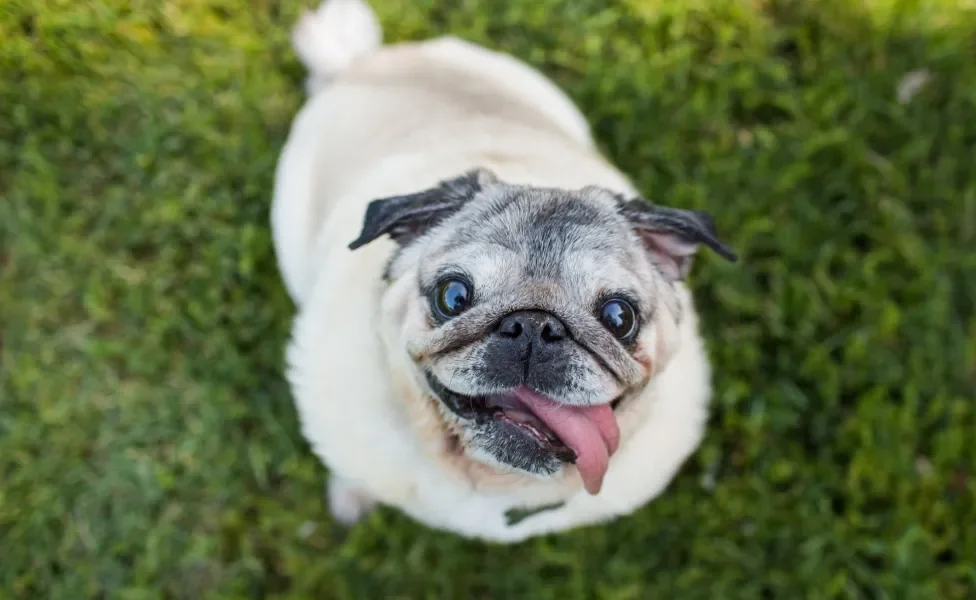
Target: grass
148	446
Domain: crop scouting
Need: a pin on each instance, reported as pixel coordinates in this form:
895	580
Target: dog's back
374	111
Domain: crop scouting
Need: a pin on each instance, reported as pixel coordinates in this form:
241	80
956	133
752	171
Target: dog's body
388	120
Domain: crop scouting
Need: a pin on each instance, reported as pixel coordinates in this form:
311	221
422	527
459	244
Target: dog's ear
672	235
405	218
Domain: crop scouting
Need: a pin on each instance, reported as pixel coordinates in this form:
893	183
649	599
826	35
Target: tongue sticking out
590	431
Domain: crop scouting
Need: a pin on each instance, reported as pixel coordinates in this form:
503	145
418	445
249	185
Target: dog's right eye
451	298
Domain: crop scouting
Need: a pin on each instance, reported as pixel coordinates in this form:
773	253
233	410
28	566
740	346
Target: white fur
330	38
348	503
357	140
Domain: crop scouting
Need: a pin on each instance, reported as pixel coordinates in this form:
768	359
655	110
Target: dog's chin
500	431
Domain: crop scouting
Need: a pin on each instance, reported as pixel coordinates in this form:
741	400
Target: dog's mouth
582	435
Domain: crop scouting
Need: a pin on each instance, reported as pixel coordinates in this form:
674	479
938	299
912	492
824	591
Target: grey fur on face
549	259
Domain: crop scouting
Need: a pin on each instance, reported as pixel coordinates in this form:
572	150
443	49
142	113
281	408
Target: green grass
148	445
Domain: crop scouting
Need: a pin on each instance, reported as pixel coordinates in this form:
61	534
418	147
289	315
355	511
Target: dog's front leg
348	502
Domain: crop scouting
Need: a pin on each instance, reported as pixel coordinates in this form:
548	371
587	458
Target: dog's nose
531	326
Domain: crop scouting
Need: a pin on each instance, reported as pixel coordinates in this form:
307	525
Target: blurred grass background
148	446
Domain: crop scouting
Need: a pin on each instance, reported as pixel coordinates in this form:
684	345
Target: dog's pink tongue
591	431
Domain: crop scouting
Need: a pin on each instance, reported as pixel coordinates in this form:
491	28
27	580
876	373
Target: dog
493	332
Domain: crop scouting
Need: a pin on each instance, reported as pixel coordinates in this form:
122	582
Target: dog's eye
619	317
451	298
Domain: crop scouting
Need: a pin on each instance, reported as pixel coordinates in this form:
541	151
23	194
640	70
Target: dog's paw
348	503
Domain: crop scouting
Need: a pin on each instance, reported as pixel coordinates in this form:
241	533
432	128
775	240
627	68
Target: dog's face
529	314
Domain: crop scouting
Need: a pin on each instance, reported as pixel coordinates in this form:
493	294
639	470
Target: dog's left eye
620	318
451	298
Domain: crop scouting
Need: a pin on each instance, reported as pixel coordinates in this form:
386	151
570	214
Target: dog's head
530	313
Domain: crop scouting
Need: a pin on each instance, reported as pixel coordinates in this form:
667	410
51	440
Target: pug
493	332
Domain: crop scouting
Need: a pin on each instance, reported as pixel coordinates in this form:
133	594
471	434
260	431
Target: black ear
672	235
406	218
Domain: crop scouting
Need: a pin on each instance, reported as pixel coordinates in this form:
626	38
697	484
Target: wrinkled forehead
549	242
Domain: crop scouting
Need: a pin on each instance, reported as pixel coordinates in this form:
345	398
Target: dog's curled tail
328	39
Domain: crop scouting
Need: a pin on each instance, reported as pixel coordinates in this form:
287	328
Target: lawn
148	445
